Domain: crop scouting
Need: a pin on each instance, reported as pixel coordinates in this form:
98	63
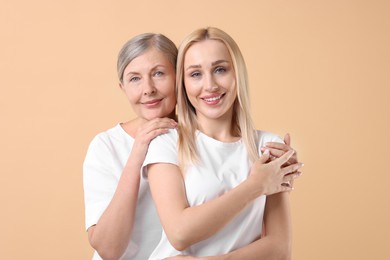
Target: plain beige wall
318	69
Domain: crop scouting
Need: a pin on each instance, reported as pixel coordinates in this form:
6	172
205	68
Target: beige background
318	69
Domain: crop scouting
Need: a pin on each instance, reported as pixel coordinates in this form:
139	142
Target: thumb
265	156
287	139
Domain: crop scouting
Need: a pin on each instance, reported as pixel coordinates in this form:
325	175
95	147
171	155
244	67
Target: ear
121	86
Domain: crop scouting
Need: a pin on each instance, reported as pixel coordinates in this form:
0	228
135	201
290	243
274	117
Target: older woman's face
209	79
149	84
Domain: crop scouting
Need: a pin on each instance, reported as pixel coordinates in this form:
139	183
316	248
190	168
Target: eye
219	70
134	79
195	74
158	74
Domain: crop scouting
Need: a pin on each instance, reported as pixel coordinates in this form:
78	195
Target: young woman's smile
209	79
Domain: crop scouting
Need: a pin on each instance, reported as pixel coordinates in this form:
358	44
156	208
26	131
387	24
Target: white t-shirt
106	157
223	166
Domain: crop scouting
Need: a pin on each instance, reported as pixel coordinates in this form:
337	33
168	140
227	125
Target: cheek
133	95
169	89
191	93
229	82
191	87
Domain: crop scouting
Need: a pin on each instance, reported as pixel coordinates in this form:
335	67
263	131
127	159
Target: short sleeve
99	180
162	149
265	137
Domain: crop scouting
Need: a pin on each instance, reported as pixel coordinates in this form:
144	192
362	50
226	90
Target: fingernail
266	152
297	167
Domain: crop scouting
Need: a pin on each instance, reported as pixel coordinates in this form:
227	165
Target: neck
219	129
132	126
173	115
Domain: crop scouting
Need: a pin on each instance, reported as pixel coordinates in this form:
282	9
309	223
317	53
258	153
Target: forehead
150	58
206	51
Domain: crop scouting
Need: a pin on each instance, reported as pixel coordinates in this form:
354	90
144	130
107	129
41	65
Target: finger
286	188
279	146
153	134
293	159
287	139
291	168
264	156
274	152
290	177
161	123
285	157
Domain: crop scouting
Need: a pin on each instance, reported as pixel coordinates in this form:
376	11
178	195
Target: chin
151	116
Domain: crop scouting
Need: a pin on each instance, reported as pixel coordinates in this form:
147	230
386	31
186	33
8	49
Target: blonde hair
241	122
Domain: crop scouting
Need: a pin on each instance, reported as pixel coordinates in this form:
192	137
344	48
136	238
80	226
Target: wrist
253	187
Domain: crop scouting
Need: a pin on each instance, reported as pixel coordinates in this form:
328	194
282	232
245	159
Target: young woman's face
209	79
149	84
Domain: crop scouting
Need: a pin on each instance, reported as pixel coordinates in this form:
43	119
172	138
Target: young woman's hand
274	176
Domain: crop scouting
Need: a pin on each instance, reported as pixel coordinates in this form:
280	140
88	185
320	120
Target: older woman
121	219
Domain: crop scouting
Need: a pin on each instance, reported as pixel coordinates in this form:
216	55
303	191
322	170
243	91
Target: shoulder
265	137
169	138
108	142
162	149
108	138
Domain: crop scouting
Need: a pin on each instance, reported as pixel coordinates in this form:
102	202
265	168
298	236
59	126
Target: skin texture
211	90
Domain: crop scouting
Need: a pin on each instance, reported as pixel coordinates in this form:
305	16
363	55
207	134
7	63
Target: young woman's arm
274	245
186	225
111	234
276	239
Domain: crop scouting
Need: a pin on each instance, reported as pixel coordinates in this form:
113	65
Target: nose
210	84
149	88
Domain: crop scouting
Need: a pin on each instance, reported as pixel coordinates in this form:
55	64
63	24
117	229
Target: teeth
212	99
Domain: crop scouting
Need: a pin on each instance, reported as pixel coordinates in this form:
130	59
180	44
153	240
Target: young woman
121	219
207	179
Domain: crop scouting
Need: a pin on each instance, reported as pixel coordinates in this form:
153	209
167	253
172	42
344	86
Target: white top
106	157
223	166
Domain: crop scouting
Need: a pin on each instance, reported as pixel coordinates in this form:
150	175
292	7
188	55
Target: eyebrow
219	62
212	64
155	67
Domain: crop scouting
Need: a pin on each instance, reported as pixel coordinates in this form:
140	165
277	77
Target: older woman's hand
278	149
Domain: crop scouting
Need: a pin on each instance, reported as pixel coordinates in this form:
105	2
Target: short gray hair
137	45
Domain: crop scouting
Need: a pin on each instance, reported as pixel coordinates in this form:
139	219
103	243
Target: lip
213	99
152	102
